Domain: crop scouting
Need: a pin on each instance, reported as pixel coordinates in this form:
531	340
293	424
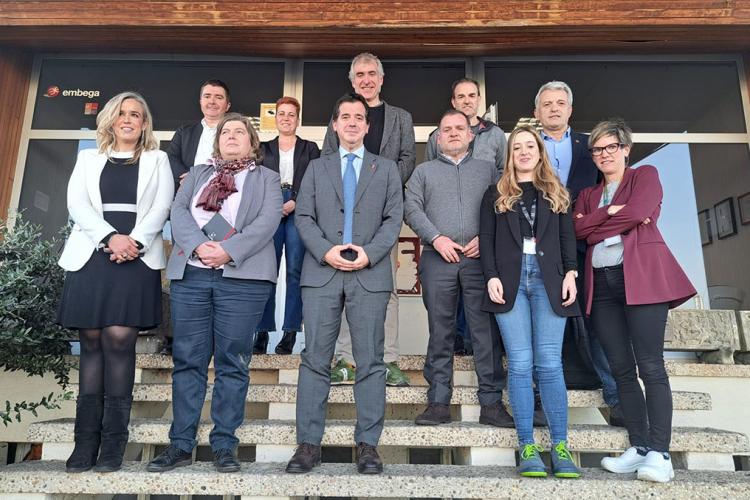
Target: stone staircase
463	459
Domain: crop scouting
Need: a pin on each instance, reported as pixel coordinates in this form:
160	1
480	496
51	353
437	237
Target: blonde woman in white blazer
119	196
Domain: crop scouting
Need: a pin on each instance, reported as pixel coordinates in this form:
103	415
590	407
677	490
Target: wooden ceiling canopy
392	29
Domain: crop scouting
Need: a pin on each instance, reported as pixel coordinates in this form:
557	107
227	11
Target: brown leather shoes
368	460
305	458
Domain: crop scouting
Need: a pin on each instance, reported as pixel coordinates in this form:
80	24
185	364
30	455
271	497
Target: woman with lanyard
528	252
222	268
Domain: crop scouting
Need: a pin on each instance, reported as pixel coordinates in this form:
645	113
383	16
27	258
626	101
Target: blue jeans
286	235
212	315
533	334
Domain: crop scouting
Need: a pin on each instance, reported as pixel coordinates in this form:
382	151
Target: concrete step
462	395
581	437
460	363
398	481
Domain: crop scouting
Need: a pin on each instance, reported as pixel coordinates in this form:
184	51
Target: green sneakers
531	462
394	376
562	462
342	373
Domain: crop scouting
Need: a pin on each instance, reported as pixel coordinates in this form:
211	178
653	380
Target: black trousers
442	282
633	336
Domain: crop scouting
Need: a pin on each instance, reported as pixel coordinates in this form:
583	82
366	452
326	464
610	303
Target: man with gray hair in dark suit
349	213
390	135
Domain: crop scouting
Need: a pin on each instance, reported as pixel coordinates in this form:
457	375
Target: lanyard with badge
529	244
606	200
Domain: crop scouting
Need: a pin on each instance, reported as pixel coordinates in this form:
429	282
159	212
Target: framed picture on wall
744	203
726	223
704	223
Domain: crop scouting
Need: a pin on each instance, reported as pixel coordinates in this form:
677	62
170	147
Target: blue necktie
350	189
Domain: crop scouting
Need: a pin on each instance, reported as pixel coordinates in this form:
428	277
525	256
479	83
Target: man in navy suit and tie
349	213
570	157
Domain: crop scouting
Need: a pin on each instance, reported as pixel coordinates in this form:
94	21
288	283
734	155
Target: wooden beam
15	73
374	14
386	42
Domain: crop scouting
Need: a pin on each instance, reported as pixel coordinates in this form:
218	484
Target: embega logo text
80	93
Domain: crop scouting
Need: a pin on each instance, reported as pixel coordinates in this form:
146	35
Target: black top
528	197
374	136
118	183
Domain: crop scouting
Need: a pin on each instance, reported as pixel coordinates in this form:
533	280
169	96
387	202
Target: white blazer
153	201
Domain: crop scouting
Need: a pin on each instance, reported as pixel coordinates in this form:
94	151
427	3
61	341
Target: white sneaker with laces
656	468
629	461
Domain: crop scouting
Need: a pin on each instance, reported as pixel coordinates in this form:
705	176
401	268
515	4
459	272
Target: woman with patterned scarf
222	267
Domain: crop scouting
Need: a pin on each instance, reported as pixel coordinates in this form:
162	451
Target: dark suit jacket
652	274
501	251
378	212
583	174
583	171
304	151
182	149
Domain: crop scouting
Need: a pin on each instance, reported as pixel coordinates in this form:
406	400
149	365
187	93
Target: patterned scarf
222	185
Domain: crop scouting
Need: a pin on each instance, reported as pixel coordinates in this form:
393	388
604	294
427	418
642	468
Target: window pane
420	87
651	96
43	200
696	178
170	87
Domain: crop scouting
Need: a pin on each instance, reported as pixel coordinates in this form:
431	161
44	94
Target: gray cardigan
444	199
251	248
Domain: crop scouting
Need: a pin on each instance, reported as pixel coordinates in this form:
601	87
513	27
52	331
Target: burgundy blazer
652	274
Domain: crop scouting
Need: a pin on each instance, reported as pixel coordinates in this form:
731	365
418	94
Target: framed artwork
726	223
744	203
704	223
407	278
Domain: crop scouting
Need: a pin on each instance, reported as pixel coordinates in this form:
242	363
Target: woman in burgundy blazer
632	281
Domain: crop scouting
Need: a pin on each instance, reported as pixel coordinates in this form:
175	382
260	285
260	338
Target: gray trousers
322	309
441	284
344	344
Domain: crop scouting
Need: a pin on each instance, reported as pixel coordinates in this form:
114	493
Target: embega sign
54	91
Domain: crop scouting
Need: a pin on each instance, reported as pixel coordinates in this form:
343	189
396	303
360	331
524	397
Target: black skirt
103	293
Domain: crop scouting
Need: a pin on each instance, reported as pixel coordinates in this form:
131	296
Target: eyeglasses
609	148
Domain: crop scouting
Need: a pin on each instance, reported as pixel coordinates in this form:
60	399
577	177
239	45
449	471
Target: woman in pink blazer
632	281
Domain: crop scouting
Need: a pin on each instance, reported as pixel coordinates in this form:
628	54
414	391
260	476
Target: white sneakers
656	468
651	467
629	461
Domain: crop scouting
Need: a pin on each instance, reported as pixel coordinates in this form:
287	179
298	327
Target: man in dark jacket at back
569	155
194	144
